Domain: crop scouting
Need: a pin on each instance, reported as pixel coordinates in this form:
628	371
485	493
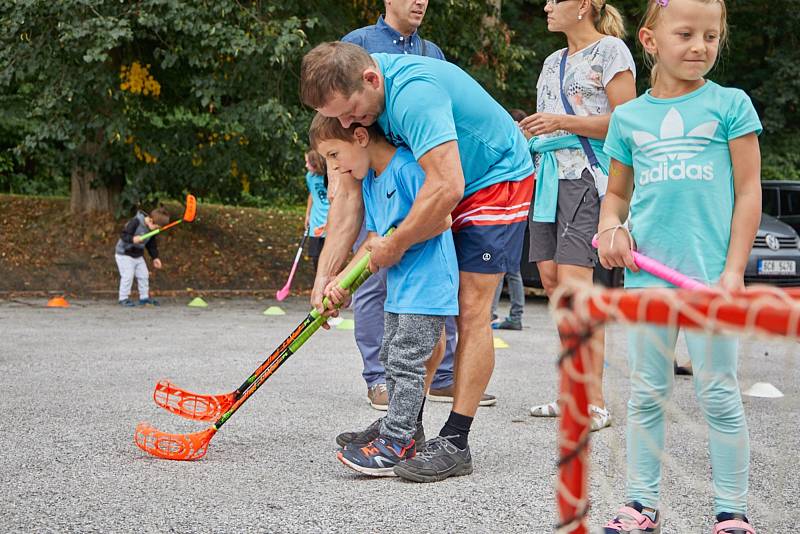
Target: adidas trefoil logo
673	149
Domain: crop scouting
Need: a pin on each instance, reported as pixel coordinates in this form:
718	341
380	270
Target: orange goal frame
580	310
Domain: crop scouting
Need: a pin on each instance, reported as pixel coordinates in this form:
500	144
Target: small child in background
129	254
516	290
317	206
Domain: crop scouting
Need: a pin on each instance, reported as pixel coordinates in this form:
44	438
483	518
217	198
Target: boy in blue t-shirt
422	288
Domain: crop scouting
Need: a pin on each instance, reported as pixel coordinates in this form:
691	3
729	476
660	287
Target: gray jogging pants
408	341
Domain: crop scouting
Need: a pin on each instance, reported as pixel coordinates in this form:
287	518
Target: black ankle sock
421	409
456	429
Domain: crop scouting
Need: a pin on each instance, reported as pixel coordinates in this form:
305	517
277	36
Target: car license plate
777	267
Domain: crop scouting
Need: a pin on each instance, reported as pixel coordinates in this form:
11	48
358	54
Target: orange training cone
57	302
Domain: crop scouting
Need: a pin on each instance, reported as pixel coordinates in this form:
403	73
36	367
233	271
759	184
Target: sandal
601	418
551	409
631	520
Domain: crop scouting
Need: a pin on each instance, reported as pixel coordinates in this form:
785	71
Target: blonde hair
653	13
607	19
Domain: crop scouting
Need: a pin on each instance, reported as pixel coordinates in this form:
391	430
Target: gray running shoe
373	431
439	460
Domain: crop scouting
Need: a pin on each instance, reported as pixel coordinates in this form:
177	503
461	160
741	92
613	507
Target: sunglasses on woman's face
554	2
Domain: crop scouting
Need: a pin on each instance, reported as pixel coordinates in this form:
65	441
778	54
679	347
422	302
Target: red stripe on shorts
498	204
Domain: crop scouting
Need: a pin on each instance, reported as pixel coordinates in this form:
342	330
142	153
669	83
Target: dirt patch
44	248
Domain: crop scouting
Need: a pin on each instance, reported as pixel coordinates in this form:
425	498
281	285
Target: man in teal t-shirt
454	108
477	168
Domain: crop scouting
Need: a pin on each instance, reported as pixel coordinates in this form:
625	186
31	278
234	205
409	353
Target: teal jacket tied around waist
546	198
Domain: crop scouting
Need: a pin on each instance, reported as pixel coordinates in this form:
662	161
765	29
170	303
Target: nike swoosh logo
389	195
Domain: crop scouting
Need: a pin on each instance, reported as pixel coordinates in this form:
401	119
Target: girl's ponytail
608	19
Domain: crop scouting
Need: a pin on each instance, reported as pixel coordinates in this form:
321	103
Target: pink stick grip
660	270
284	292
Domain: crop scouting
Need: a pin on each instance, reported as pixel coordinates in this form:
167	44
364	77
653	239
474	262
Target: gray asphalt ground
74	383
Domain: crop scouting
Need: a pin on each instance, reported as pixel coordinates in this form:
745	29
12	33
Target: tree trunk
490	22
89	192
91	195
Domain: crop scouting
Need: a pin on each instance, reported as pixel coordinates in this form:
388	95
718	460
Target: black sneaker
372	432
439	460
128	303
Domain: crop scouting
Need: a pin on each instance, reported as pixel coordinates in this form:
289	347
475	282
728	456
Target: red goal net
580	311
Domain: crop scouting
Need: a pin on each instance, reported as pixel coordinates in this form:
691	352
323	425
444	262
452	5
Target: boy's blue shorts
489	227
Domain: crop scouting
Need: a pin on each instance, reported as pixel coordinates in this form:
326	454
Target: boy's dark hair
331	68
517	114
326	128
160	216
317	161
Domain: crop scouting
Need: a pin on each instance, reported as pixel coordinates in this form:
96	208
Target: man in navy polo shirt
396	33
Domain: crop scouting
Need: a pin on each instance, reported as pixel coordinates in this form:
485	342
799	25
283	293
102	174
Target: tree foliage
164	96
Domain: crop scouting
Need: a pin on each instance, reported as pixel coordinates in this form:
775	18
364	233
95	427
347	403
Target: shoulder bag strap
587	148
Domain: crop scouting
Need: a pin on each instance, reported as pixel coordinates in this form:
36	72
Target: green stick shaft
360	270
352	280
159	230
347	282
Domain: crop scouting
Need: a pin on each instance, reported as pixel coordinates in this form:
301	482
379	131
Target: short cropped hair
331	68
327	128
160	216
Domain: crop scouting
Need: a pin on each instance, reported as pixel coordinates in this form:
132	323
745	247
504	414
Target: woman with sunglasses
578	88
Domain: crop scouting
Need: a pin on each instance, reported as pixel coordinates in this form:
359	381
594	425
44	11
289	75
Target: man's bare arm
440	193
345	217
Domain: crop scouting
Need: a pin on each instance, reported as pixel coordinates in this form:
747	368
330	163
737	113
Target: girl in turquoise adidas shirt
685	172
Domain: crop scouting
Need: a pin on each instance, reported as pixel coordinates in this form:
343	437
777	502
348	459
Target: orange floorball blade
191	208
194	406
172	446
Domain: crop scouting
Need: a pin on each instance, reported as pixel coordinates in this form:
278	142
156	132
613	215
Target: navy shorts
489	227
